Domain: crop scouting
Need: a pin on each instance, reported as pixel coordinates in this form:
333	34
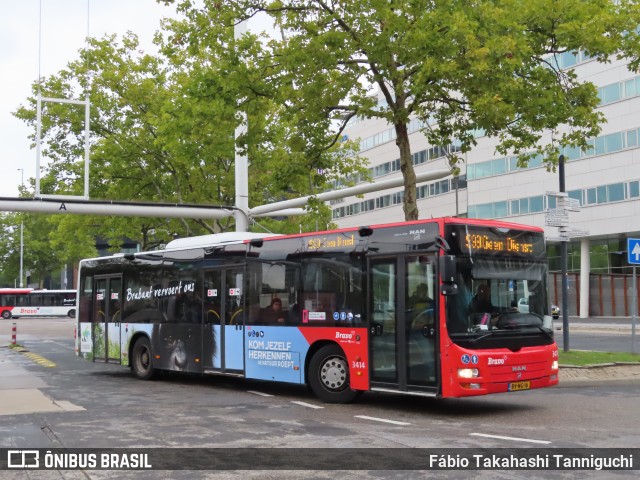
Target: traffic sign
633	251
555	217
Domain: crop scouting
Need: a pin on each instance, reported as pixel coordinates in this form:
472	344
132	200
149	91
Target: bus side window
333	290
275	283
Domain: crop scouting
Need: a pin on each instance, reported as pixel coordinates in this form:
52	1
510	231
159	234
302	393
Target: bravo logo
344	336
496	361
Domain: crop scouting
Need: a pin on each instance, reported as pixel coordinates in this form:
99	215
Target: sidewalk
593	375
609	324
21	390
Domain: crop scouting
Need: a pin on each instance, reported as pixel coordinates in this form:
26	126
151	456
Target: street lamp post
21	233
564	310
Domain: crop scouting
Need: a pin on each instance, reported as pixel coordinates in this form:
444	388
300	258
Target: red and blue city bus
380	308
29	302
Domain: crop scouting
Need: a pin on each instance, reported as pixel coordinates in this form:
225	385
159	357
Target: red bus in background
29	302
442	308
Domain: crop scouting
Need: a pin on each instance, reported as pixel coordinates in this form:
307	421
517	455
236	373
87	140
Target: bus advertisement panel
29	302
433	308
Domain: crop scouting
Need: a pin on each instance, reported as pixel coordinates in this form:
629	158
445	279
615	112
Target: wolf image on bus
29	302
378	308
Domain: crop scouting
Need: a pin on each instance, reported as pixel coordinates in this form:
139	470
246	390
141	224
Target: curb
599	374
600	365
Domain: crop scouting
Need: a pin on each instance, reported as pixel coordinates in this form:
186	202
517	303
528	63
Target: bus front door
223	338
106	319
403	324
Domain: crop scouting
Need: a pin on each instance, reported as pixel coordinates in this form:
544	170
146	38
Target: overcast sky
62	31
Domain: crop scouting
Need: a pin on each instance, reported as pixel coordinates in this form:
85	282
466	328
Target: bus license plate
515	386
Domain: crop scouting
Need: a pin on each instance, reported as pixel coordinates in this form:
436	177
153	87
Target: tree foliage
41	257
459	68
162	130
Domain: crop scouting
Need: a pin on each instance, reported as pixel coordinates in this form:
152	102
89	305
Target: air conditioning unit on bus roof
215	239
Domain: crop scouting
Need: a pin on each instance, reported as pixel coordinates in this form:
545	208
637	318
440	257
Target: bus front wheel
141	359
329	376
6	314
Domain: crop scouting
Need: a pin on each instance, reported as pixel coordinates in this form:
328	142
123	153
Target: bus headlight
554	365
468	373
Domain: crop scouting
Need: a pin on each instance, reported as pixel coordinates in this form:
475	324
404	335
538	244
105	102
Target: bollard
13	333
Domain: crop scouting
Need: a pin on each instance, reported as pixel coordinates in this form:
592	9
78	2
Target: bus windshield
499	295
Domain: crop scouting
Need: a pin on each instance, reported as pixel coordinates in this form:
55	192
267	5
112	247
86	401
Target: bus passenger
421	308
273	314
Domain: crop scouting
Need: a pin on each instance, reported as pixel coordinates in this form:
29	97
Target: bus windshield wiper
477	339
547	333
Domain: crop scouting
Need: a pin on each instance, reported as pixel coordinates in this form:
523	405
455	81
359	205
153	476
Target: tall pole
241	214
21	233
634	311
563	261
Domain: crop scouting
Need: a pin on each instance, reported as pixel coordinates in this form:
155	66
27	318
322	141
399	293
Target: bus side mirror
447	266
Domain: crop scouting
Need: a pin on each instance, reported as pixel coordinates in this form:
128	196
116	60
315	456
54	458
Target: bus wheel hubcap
334	373
144	359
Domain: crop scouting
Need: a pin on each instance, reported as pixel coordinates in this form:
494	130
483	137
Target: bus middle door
403	324
224	320
106	319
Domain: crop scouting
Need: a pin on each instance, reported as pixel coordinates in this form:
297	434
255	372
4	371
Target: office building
604	181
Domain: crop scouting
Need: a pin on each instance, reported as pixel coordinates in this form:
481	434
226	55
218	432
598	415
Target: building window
536	204
577	194
615	192
613	142
500	209
499	166
630	87
610	93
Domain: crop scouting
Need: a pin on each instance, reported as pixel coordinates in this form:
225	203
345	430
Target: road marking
259	393
39	359
304	404
375	419
514	439
60	344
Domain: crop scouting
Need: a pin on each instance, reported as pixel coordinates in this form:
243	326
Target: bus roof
228	238
215	239
15	291
239	237
24	291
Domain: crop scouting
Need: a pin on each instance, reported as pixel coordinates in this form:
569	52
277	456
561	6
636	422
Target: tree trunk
408	173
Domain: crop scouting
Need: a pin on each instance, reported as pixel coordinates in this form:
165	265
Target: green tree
162	130
9	250
40	256
459	68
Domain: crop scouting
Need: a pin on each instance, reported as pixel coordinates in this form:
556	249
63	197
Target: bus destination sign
482	242
331	241
492	241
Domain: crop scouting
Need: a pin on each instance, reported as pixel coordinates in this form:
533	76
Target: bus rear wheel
329	376
6	314
142	360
